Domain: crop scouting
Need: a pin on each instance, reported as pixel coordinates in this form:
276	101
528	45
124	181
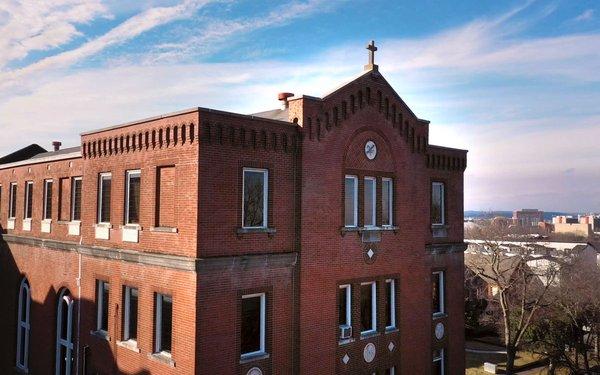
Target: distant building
583	225
527	217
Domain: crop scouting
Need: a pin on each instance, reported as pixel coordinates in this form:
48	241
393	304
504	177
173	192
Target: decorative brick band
283	260
446	248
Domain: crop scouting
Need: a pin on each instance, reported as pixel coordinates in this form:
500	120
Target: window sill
269	231
439	316
386	228
130	345
439	230
19	370
163	229
100	334
391	329
253	357
368	334
131	226
346	341
163	357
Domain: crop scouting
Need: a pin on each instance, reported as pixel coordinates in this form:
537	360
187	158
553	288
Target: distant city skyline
516	83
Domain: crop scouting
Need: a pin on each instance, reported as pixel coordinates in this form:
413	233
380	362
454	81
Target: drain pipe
78	306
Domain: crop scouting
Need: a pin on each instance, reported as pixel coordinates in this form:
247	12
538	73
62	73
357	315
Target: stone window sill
269	231
129	344
103	225
253	357
368	335
100	334
163	229
386	228
131	226
163	357
439	316
346	341
391	329
439	230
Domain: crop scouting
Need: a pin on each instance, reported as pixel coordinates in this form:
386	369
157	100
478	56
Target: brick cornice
282	260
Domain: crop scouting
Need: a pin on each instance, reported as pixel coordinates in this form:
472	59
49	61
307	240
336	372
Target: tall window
369	202
47	199
437	203
132	197
27	214
104	198
390	371
102	303
76	198
253	324
255	200
438	291
345	310
130	313
390	304
163	324
12	205
23	326
439	365
351	201
387	193
64	334
368	307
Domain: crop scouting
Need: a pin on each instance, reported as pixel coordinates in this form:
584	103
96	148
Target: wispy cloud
586	15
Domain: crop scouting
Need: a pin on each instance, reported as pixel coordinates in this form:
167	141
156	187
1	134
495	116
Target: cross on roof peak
372	48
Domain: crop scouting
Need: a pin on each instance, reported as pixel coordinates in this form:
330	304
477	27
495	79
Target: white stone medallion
254	371
439	330
369	352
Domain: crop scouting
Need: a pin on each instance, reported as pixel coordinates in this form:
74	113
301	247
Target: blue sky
515	82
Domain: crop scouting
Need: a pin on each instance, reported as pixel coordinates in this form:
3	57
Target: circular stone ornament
439	331
369	352
370	150
254	371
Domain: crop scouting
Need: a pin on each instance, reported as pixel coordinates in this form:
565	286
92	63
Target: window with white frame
439	362
104	187
253	325
163	324
255	198
130	313
64	334
391	371
438	291
369	205
132	197
390	304
345	306
23	326
387	194
351	201
28	209
76	183
47	200
102	303
368	307
12	204
437	204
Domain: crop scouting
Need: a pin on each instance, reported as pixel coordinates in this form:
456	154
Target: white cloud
586	15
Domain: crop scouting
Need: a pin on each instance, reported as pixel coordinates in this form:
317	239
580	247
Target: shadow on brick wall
91	359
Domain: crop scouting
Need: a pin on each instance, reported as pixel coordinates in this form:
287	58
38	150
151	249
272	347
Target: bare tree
519	281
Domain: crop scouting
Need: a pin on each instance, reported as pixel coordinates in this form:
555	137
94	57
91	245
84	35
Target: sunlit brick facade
323	238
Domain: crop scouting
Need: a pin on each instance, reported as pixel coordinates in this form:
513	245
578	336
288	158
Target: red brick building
324	237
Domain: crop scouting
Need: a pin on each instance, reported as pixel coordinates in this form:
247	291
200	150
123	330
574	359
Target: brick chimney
56	145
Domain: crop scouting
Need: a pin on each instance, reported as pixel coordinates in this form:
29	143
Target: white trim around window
76	181
47	196
129	174
441	308
392	303
373	218
102	305
159	346
348	291
354	208
12	202
64	359
263	323
442	203
129	316
390	200
27	209
438	356
102	177
265	208
23	326
373	308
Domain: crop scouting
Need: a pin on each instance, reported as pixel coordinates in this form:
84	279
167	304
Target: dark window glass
28	200
133	197
251	324
388	304
23	346
437	203
13	200
437	292
48	200
386	202
350	202
105	287
105	182
342	301
438	362
166	323
133	314
369	202
76	199
64	319
254	199
366	307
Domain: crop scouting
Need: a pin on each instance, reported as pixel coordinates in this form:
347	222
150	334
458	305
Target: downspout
78	306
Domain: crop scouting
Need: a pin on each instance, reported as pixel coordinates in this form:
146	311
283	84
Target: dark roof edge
448	148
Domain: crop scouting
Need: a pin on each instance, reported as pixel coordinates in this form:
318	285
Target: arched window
64	334
23	326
